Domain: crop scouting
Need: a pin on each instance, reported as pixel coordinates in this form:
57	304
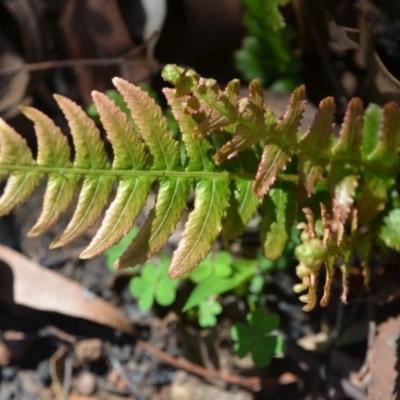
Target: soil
44	353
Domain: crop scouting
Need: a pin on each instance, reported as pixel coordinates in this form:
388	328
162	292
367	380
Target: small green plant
154	285
208	311
254	337
224	274
265	52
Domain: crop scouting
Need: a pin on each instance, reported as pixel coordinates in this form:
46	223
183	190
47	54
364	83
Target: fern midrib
135	173
10	168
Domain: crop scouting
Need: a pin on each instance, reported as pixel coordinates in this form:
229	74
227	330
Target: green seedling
219	265
154	285
208	311
212	284
254	337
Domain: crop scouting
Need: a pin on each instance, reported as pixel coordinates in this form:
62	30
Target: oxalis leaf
253	337
213	284
154	284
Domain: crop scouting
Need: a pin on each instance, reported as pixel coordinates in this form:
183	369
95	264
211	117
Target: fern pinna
239	158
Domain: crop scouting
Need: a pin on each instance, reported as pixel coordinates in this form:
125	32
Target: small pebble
86	383
9	373
89	350
5	392
43	370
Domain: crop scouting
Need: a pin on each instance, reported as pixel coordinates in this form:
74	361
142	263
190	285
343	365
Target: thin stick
81	62
252	382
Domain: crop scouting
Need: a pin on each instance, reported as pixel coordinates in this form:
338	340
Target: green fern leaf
243	204
372	122
216	109
53	150
129	154
198	150
386	151
252	112
203	226
277	152
20	184
317	139
343	177
160	224
211	195
128	146
171	199
279	208
385	154
152	125
226	100
90	155
390	230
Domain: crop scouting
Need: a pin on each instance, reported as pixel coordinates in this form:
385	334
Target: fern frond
238	157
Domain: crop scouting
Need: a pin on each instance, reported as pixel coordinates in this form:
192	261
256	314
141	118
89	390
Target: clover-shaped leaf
252	337
212	285
223	264
219	265
200	273
154	284
208	312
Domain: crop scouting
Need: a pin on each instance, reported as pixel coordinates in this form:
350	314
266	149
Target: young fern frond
239	158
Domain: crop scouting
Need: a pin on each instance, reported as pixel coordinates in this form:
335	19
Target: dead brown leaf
384	361
26	283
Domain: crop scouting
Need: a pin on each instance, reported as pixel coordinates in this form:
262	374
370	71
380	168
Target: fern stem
139	173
